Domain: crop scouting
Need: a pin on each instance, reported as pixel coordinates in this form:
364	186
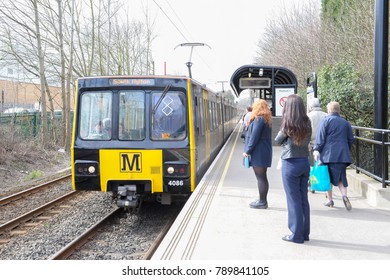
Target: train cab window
168	116
95	115
131	115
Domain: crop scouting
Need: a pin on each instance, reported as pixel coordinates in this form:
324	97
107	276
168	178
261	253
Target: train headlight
177	169
86	168
91	169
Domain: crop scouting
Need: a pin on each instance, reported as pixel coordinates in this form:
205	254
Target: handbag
247	162
319	178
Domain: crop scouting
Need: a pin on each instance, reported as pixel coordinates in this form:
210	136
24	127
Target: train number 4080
175	183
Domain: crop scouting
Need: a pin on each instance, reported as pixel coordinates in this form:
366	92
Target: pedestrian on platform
258	146
294	136
316	115
247	116
245	121
332	147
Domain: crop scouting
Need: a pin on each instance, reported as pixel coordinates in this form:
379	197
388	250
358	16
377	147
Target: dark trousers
295	175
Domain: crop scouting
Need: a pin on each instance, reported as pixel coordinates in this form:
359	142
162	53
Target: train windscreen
132	115
95	115
168	115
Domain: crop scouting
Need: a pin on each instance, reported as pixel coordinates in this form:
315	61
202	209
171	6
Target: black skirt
338	173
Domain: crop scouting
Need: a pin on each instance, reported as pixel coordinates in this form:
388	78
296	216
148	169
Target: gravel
127	238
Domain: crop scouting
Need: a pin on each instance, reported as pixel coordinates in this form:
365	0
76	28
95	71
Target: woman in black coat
258	146
332	146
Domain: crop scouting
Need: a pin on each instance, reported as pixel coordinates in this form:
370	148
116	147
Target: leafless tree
302	40
70	38
41	70
24	40
352	38
291	39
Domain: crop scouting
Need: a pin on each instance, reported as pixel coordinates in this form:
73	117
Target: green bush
343	83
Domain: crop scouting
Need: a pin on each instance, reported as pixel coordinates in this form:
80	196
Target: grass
33	175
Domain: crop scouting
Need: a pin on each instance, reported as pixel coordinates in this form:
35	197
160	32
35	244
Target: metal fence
29	124
371	153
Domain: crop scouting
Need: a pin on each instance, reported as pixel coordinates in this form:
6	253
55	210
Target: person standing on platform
247	116
332	146
245	121
258	146
316	115
294	136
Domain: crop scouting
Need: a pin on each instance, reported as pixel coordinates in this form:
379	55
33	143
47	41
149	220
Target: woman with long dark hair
294	136
258	146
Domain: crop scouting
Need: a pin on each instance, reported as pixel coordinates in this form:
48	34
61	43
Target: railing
28	125
372	143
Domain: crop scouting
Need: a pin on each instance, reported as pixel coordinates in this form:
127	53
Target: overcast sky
231	28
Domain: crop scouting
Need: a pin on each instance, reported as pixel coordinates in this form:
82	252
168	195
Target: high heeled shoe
330	203
347	204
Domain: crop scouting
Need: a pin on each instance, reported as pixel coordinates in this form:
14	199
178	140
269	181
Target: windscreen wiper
166	89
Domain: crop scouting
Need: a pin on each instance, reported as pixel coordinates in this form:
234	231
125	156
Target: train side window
219	114
206	115
211	115
169	116
201	116
214	116
95	115
131	115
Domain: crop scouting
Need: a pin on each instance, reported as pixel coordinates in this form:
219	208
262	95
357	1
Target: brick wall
26	95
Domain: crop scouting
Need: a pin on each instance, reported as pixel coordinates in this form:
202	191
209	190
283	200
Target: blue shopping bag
247	162
319	178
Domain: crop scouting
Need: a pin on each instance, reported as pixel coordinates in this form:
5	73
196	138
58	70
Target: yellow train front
146	137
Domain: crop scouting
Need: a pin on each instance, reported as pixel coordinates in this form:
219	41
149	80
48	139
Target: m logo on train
130	162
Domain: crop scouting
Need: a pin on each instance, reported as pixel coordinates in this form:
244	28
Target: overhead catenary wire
178	29
179	19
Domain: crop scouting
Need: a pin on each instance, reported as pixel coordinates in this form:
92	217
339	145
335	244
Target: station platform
217	223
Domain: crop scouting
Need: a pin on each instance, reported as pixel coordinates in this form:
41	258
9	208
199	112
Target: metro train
146	137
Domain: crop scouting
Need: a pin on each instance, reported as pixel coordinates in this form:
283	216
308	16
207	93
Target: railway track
32	218
78	225
149	254
80	240
25	209
104	225
28	192
22	202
